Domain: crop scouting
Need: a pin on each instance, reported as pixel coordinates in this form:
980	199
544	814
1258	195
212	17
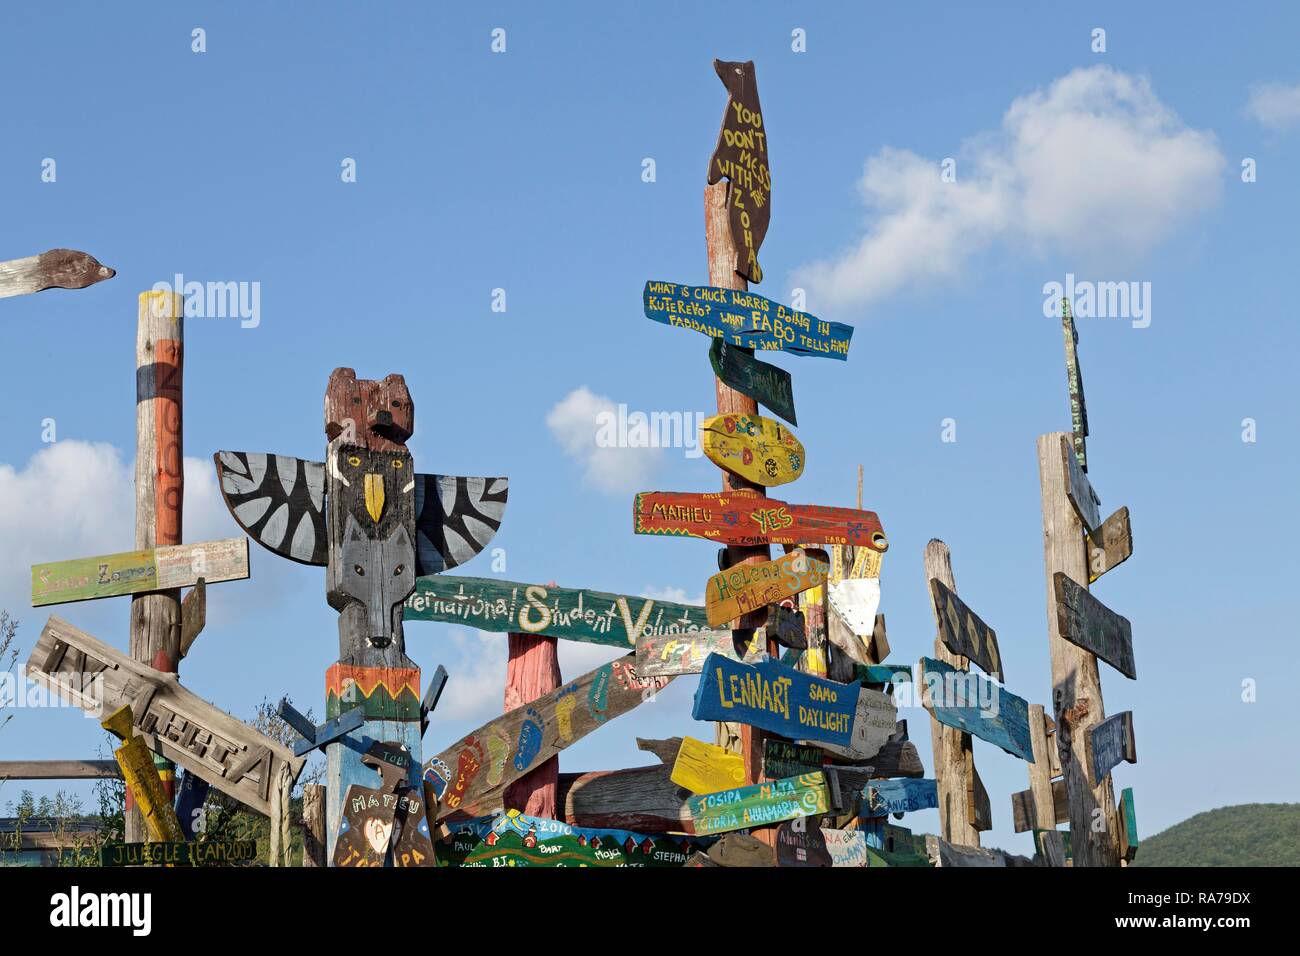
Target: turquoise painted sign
901	796
778	698
746	319
972	703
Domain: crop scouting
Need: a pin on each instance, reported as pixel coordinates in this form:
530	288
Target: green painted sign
760	381
214	852
593	617
138	572
760	804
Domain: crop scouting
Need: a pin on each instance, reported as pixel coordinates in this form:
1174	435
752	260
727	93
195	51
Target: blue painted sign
974	704
776	697
745	319
901	796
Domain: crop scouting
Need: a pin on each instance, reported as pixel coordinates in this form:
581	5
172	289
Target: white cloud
1093	165
575	421
1275	105
674	594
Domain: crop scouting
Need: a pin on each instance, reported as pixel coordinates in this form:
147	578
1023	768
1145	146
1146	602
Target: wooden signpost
874	720
855	602
139	572
474	771
963	633
1074	378
758	449
741	159
55	269
741	518
845	847
761	804
1086	622
376	525
800	843
706	768
1079	489
744	319
1025	814
1112	742
901	796
206	741
142	777
592	617
955	699
747	588
1128	832
767	384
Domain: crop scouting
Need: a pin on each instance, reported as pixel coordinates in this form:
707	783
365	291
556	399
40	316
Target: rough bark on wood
313	825
1076	685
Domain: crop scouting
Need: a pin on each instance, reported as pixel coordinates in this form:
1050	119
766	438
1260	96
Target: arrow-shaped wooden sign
962	631
1085	621
744	588
174	722
1110	743
746	518
764	383
139	572
975	705
474	771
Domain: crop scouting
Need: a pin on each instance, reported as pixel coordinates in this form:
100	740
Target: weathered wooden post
159	490
532	671
313	825
954	766
1078	548
55	269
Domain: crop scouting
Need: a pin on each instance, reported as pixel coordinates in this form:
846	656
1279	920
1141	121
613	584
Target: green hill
1253	834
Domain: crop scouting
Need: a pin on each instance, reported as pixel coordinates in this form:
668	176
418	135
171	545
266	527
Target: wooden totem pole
375	524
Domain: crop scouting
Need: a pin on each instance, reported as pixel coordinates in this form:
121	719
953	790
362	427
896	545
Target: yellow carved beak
375	496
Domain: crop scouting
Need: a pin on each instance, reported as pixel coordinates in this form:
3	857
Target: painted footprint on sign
530	740
498	751
436	777
598	696
468	765
564	708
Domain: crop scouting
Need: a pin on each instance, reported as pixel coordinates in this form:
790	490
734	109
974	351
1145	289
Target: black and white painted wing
279	501
455	518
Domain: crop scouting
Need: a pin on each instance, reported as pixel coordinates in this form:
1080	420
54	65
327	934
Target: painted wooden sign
782	758
1085	621
1126	812
477	768
962	631
743	588
741	159
901	796
516	839
897	758
800	843
785	625
593	617
764	383
1078	407
746	518
55	269
756	448
760	804
1110	546
639	798
777	698
205	853
707	768
846	847
674	654
744	319
856	601
390	817
138	572
141	776
1110	743
205	740
874	720
1079	489
1023	811
975	705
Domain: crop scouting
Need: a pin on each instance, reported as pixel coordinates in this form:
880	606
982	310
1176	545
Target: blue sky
523	171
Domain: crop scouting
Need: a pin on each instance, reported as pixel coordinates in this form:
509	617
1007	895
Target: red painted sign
747	518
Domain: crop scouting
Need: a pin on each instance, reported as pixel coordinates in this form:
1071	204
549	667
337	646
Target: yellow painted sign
758	449
748	587
706	768
142	777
